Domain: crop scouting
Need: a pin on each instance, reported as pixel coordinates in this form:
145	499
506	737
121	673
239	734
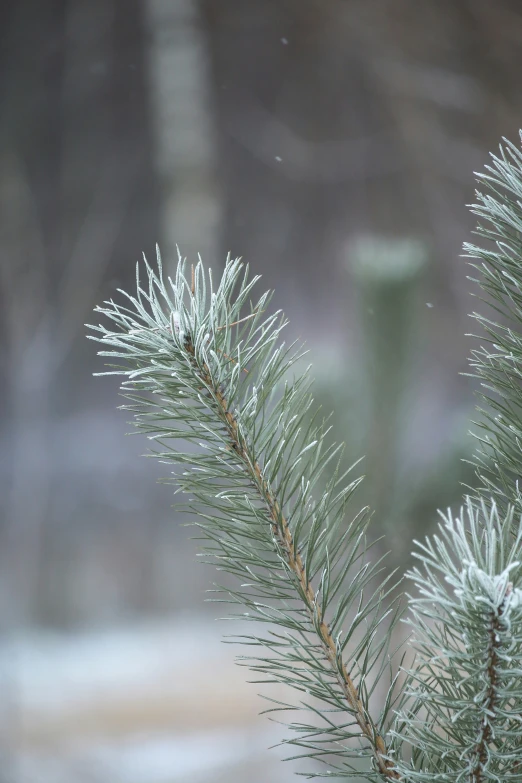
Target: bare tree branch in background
273	142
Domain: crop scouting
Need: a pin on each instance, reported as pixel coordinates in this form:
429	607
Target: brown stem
485	733
281	530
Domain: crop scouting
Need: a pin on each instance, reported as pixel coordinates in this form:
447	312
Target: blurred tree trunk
24	243
65	193
184	139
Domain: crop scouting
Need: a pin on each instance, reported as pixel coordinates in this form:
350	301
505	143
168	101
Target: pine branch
463	719
466	682
498	361
257	453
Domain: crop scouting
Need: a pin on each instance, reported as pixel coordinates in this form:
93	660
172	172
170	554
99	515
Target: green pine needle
498	361
206	367
467	680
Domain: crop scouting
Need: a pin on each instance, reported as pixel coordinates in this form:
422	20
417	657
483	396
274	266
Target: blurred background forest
331	144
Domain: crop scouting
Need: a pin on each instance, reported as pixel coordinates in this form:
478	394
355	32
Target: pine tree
219	395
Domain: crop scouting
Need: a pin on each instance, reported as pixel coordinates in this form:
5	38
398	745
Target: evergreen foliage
498	360
218	394
200	371
466	684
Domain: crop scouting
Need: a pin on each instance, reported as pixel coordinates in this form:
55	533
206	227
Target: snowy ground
154	704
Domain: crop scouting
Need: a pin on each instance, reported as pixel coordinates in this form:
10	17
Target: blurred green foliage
373	395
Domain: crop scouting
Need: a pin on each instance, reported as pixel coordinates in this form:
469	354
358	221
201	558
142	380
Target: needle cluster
498	360
200	371
464	721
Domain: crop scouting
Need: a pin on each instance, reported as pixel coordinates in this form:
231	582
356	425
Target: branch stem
282	532
486	732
